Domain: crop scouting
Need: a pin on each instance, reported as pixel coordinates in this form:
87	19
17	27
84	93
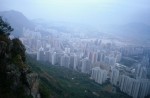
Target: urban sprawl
98	57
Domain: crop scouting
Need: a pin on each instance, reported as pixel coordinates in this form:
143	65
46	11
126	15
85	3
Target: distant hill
17	20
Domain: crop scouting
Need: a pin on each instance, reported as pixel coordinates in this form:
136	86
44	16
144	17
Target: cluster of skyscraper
135	84
97	57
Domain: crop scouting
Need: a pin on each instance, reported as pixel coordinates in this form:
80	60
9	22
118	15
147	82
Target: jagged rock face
15	76
33	81
17	73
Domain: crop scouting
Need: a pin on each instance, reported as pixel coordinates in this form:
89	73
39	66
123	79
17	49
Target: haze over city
91	12
75	49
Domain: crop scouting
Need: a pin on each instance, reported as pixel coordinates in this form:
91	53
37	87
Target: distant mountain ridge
135	31
17	20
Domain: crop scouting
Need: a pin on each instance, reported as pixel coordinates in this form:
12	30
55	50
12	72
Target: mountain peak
17	20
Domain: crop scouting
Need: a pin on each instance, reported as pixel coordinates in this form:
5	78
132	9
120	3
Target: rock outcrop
16	78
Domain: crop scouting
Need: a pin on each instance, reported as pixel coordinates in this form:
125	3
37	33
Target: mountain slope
16	79
17	20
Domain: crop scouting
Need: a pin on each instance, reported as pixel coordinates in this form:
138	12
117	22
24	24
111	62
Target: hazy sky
83	11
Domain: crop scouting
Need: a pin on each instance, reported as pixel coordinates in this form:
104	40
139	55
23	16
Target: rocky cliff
16	78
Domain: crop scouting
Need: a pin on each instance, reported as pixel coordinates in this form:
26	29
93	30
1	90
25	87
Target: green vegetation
13	69
60	82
